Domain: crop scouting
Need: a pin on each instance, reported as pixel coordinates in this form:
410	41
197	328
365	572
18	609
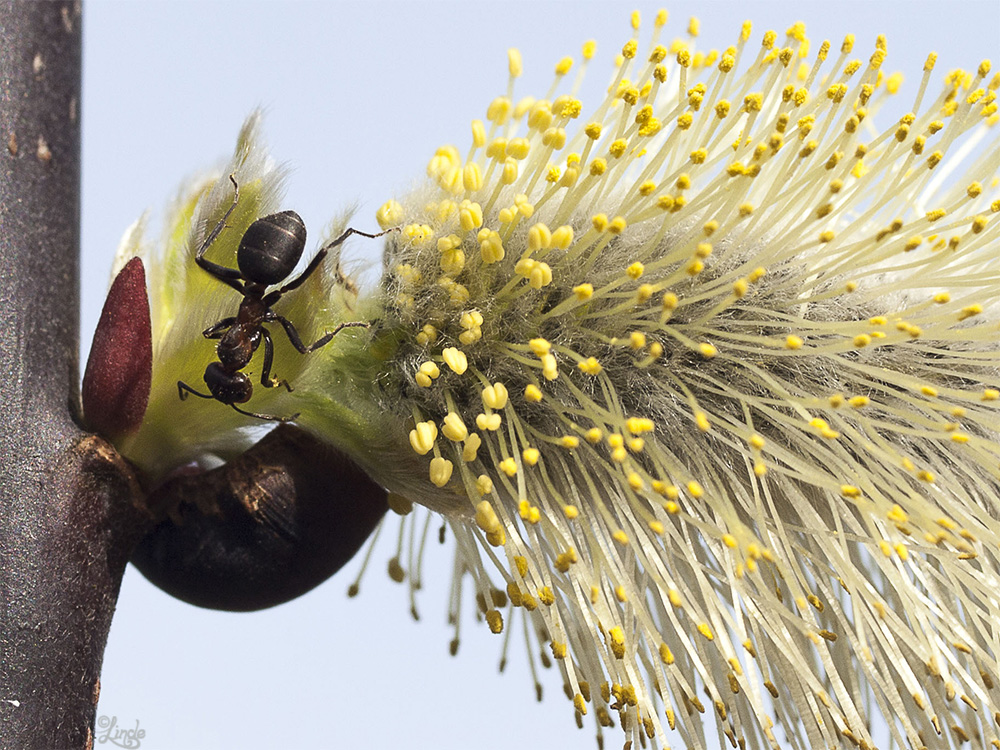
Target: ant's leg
296	340
314	263
183	389
265	377
267	417
219	329
229	276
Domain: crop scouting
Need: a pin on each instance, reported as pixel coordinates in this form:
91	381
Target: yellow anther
484	485
707	350
701	419
497	149
531	456
620	536
540	276
637	340
514	65
753	102
490	246
499	110
970	311
471	448
793	342
509	173
862	340
518	148
616	642
562	237
583	292
495	396
495	620
539	237
440	471
508	466
471	319
532	393
550	370
669	301
486	517
455	359
390	214
590	366
569	441
539	347
635	270
593	435
599	222
427	335
422	437
488	421
470	215
454	428
644	292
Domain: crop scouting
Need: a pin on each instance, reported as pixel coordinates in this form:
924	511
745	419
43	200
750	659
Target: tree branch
67	518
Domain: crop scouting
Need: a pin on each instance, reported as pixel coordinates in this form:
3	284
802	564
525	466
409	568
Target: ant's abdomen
227	387
271	247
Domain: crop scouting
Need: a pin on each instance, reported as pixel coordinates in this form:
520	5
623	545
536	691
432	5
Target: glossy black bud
263	529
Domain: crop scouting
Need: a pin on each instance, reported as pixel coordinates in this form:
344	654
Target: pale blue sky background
358	96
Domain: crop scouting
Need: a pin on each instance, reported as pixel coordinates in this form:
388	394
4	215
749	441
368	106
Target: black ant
268	252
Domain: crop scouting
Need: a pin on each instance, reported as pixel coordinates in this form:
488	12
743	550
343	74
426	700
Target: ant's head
271	247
